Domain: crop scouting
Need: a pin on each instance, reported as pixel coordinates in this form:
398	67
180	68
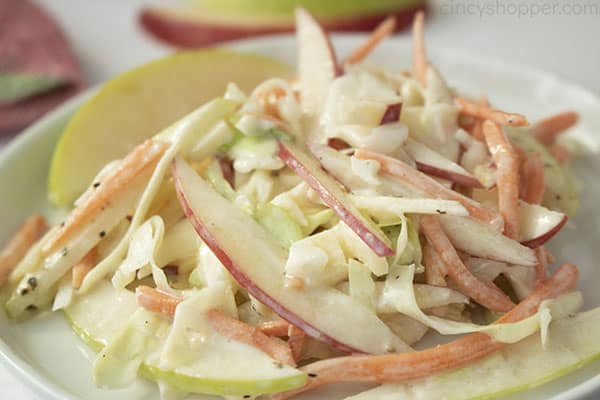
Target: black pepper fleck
24	291
440	211
31	307
278	364
96	184
32	282
311	375
62	224
65	251
129	218
102	234
247	396
557	197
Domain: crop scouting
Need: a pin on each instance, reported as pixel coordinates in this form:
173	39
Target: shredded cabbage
360	284
388	208
434	126
399	291
318	260
117	364
182	135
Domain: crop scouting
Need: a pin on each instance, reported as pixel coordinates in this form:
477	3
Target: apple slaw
311	232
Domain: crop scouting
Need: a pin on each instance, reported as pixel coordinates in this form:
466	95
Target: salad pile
313	231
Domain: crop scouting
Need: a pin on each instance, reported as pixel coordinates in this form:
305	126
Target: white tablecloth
108	40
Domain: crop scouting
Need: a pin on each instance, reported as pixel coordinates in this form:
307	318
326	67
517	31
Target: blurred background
52	49
83	43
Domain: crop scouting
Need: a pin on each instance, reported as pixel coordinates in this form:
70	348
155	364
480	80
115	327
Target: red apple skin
337	144
460	179
380	248
243	280
187	33
391	114
540	240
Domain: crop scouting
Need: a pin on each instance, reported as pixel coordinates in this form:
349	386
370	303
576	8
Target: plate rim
41	385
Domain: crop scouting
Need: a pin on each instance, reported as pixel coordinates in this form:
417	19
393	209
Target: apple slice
202	23
98	316
317	63
428	187
339	166
518	367
257	263
481	240
538	224
142	102
309	169
432	163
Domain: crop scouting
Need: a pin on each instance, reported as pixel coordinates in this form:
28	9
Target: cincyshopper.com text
520	9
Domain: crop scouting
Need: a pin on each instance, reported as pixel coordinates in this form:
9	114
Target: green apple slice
256	261
572	343
108	317
138	104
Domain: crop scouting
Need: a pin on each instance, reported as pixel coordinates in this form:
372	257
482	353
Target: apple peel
310	170
257	263
419	364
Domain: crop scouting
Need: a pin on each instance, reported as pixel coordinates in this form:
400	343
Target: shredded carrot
560	152
141	159
533	184
251	335
275	328
478	110
547	130
419	364
164	303
420	62
549	256
81	269
435	270
281	328
435	274
485	293
507	163
154	300
541	267
383	30
477	130
16	248
268	101
296	339
428	186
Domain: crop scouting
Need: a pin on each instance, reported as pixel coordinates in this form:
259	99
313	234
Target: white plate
54	362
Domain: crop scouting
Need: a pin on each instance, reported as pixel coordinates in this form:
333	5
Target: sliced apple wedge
99	316
481	240
427	186
339	166
433	163
310	170
538	224
317	63
572	344
205	22
257	263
